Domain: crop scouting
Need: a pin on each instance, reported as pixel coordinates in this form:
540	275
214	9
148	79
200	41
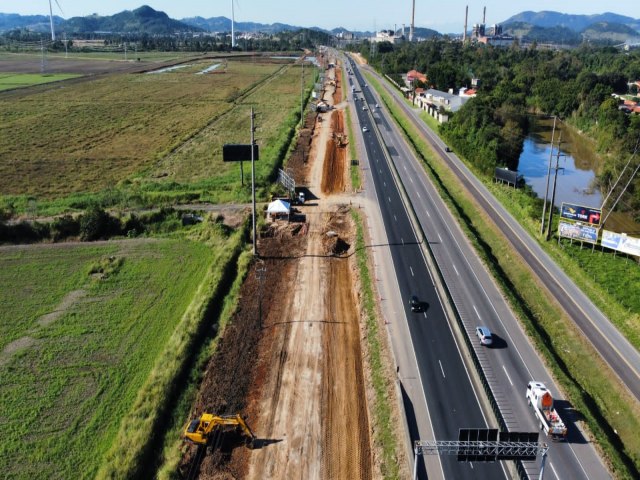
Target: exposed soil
296	374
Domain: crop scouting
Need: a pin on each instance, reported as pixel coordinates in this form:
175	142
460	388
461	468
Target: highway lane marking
440	238
389	199
411	180
454	267
384	183
394	217
508	377
554	470
471	464
428	214
442	369
402	240
418	193
476	310
425	314
411	271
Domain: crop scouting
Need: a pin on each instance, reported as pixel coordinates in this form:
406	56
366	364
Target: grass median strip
384	432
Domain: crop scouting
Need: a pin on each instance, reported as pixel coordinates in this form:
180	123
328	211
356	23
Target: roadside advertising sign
621	242
580	213
584	233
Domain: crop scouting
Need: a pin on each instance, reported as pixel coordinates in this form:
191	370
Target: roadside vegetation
600	400
83	327
384	425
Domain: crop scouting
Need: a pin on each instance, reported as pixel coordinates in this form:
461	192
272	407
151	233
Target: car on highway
364	108
415	304
484	334
365	129
447	149
377	106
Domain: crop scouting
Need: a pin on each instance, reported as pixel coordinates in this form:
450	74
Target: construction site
290	370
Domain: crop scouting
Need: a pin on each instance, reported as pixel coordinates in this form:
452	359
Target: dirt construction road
301	372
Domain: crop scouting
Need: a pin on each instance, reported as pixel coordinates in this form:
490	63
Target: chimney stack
413	17
484	15
466	17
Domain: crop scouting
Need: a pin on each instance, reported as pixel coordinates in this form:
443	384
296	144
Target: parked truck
541	401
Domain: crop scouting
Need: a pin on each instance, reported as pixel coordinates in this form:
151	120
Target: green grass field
20	80
142	137
77	346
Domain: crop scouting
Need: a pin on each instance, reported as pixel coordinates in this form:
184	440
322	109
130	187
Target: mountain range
546	26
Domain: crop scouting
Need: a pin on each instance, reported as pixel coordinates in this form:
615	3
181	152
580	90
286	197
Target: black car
415	304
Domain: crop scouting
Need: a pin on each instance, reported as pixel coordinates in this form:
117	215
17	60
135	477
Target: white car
365	129
484	334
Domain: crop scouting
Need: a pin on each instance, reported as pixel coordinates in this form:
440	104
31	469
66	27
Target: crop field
97	135
82	326
18	80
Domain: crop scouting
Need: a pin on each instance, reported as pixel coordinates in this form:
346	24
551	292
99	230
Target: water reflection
576	181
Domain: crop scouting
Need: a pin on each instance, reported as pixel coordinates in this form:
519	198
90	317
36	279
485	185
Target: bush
64	227
97	224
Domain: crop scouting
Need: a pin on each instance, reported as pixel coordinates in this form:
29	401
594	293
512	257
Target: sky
445	17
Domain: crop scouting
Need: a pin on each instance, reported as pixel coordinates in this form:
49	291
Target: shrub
97	224
64	227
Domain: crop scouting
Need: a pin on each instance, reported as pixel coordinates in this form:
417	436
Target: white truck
541	401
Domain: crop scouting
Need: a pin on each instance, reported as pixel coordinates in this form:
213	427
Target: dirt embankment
296	372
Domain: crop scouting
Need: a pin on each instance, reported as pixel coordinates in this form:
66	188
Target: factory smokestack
413	17
484	16
466	17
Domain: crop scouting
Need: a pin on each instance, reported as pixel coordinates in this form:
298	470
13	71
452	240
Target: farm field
77	346
18	80
122	131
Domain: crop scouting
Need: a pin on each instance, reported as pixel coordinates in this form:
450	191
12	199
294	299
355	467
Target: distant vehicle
365	129
484	334
364	107
415	304
377	106
447	149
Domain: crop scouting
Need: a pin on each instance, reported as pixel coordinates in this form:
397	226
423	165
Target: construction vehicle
201	430
541	401
340	139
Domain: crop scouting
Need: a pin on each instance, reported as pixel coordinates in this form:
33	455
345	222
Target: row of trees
575	85
283	41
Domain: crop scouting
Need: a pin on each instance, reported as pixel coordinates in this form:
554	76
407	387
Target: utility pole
253	183
546	193
553	194
302	96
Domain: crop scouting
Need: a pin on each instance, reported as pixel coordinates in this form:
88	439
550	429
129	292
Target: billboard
506	175
580	213
584	233
239	152
621	242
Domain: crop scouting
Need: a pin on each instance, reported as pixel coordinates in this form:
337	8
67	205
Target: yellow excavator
199	430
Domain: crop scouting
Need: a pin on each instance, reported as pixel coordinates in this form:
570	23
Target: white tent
279	207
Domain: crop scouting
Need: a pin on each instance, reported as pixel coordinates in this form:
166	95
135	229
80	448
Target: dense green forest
516	84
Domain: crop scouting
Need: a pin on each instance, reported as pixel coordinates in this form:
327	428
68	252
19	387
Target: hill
39	23
223	24
576	23
141	20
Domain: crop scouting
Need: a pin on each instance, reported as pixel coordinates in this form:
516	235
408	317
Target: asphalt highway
452	401
512	362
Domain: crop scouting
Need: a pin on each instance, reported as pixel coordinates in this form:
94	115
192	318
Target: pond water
577	179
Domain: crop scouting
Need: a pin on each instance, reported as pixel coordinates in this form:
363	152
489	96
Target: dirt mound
337	94
334	166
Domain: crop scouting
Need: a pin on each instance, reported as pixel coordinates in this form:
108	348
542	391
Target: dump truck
541	401
201	430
